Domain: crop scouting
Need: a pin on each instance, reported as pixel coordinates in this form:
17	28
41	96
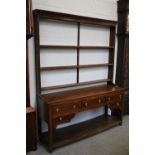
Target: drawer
115	105
114	98
66	108
93	103
62	119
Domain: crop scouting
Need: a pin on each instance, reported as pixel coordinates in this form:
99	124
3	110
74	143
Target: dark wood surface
95	65
37	53
74	66
31	137
29	19
46	15
73	46
122	72
78	53
61	107
58	68
79	93
111	53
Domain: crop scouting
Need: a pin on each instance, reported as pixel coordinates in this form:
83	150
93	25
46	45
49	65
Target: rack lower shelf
82	130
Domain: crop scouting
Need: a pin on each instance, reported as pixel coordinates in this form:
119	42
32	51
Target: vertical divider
37	68
37	53
78	52
111	53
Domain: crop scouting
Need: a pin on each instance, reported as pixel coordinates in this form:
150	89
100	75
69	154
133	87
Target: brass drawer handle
60	118
74	106
57	109
109	98
86	104
99	100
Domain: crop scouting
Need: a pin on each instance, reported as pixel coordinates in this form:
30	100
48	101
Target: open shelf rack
65	19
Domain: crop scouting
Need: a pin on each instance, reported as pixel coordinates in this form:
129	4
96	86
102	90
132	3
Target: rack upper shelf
73	46
74	67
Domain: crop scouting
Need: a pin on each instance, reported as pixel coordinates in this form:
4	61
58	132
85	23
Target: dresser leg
121	113
50	138
121	116
50	132
118	114
106	110
39	128
120	124
50	149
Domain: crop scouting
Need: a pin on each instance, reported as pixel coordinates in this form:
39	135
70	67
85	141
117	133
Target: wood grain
74	67
74	46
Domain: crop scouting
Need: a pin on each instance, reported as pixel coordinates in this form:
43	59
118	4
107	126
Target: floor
111	142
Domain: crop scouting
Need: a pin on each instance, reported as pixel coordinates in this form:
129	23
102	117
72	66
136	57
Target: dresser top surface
79	93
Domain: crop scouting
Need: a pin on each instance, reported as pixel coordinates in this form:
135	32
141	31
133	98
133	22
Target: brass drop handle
60	118
99	100
86	104
109	99
57	109
117	103
74	106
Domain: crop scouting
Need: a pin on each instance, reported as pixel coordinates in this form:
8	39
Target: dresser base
60	108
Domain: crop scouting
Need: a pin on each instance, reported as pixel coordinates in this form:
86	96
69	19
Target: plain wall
104	9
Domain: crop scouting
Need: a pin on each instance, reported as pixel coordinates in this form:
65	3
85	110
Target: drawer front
117	104
66	108
93	103
113	98
62	119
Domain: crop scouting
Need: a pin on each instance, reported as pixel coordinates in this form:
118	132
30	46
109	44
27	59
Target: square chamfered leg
50	131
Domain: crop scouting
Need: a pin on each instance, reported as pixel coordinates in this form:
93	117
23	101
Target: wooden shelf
95	65
74	46
96	47
74	84
58	68
74	67
58	46
82	130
